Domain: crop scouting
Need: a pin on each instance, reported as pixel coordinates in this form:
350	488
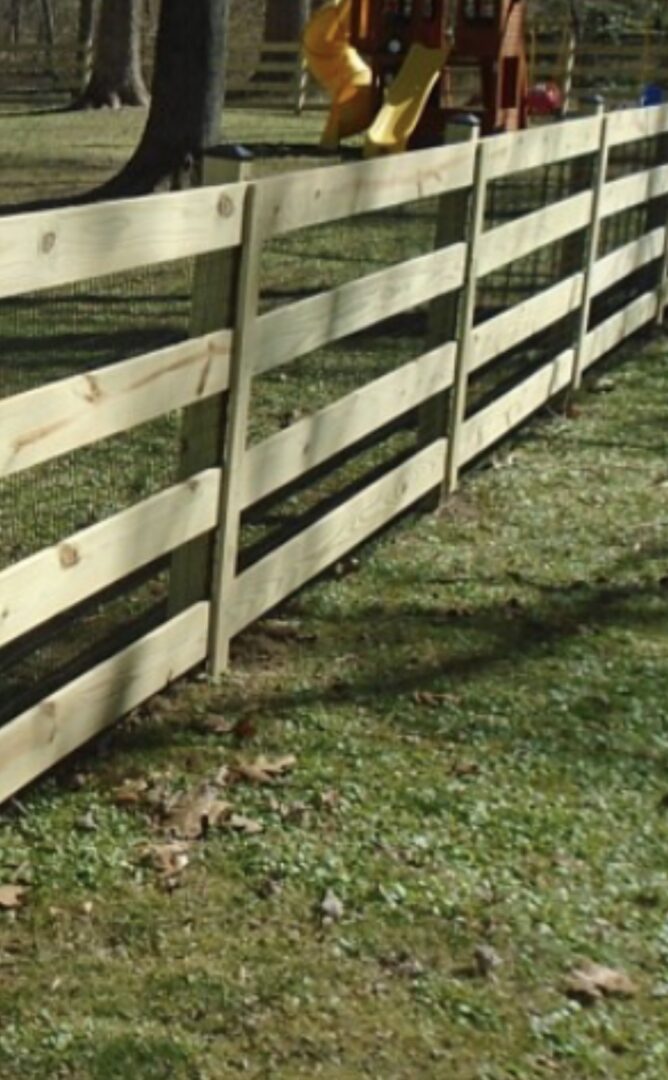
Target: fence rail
236	342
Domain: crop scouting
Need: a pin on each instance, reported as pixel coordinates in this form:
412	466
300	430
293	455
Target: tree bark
187	96
285	20
116	78
85	41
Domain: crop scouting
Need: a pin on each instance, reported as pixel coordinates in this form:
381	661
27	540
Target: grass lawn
476	706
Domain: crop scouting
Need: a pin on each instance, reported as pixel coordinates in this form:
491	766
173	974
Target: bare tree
116	78
187	96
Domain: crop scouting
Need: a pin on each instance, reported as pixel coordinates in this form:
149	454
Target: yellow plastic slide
340	70
404	101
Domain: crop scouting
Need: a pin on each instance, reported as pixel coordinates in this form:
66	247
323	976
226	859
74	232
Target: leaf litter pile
181	819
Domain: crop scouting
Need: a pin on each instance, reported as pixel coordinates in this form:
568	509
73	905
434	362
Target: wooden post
582	176
662	287
452	227
301	84
659	217
241	379
203	425
591	251
465	345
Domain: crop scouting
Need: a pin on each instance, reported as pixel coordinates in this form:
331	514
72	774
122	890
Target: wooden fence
211	379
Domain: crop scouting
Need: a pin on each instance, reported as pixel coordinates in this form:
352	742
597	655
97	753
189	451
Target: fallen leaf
193	813
12	897
168	860
590	982
219	725
130	792
486	959
331	907
244	825
87	822
265	770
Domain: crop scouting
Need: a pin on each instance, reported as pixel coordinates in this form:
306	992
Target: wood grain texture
273	578
505	244
521	322
57	247
39	738
634	190
289	454
294	330
631	125
48	583
516	151
489	425
619	326
627	259
51	420
315	196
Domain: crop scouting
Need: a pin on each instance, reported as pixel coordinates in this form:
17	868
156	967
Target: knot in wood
48	242
225	206
68	555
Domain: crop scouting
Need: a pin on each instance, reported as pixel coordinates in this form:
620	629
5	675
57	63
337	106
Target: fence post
465	324
660	218
591	248
301	84
203	424
581	175
452	227
241	379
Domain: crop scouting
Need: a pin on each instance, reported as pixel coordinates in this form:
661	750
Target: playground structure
397	69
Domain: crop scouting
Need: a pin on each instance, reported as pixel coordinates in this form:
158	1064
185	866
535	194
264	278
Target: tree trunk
285	19
85	40
15	21
47	32
116	78
187	96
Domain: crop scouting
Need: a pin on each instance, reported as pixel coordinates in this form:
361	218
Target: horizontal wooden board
521	322
48	583
51	420
273	578
627	259
313	197
45	734
629	125
619	326
506	243
287	455
489	425
519	150
633	190
296	329
57	247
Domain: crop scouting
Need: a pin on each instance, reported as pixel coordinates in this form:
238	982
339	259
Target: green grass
477	704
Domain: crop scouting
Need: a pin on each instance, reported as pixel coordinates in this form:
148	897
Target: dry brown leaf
244	825
193	813
265	770
12	897
168	860
589	982
219	725
130	792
